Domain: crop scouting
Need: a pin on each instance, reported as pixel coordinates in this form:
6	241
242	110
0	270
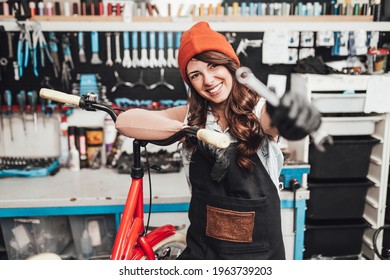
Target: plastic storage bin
348	157
335	238
93	235
337	200
25	237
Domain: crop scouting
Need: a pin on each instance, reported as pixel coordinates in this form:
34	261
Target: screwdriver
47	109
22	108
8	103
42	101
32	101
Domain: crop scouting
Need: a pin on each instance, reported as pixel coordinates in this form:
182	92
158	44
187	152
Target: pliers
39	38
54	53
24	48
66	50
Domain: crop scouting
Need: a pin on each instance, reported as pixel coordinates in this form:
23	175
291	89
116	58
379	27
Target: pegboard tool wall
172	75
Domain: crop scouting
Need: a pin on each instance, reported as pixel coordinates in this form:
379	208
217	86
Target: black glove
295	117
220	159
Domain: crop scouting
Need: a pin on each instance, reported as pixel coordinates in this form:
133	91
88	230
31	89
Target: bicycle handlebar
59	96
211	137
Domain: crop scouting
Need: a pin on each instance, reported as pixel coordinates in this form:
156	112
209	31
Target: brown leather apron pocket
229	225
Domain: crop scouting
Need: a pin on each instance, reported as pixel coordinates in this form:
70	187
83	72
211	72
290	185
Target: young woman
235	207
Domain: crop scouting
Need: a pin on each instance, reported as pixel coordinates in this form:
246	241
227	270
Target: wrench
136	61
117	48
245	76
126	45
95	48
80	40
153	62
144	62
170	55
178	37
109	61
162	62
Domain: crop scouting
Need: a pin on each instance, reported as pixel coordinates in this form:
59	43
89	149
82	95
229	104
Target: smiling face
213	82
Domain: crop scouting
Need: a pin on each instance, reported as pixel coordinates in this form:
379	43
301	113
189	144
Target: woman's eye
194	76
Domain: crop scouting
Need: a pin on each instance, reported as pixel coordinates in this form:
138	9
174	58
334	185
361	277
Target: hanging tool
144	62
117	48
153	62
54	53
21	97
10	37
80	40
32	101
162	62
44	108
244	43
178	37
66	51
120	82
16	71
126	62
25	49
141	81
8	112
162	82
170	55
67	63
39	38
35	64
44	49
109	61
134	41
95	48
3	64
47	108
20	53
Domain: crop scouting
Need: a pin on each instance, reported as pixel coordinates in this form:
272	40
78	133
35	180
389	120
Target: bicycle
133	241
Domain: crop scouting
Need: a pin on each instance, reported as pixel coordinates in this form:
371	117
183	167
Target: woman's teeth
214	90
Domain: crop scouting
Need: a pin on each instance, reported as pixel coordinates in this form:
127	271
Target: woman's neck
218	110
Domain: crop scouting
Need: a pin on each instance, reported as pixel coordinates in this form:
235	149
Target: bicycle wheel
170	248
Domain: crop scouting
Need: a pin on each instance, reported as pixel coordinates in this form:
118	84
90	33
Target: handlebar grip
213	138
59	96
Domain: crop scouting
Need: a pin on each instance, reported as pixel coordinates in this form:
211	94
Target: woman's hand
295	117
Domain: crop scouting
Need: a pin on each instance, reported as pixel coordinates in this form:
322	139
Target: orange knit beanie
200	38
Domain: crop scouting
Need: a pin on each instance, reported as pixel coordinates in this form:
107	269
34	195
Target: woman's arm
151	125
265	119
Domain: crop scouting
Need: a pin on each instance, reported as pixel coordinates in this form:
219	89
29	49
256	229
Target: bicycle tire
170	248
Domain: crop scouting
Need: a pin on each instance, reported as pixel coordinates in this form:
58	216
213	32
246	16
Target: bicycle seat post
137	170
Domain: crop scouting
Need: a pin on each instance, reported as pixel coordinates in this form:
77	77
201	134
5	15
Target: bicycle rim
171	247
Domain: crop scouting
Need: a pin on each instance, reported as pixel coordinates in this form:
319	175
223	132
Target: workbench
104	191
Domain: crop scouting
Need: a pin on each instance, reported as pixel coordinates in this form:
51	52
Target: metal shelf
231	24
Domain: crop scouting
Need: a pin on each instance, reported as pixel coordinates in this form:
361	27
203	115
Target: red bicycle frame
131	242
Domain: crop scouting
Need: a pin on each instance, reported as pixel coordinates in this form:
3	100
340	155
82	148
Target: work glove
219	158
295	117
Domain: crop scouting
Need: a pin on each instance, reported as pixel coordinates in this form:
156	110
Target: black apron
237	218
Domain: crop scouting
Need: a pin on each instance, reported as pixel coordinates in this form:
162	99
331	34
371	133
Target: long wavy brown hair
244	125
